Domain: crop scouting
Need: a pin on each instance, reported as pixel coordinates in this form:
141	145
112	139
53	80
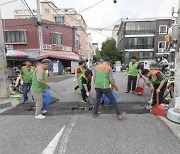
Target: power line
8	2
91	6
29	9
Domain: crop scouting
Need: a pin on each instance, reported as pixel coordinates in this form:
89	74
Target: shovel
158	109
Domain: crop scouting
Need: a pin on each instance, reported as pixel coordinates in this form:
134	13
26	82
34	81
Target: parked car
148	64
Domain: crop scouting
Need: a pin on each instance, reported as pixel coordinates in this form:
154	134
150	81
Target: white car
148	64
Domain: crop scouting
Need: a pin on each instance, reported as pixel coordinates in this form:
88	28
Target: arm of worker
39	75
127	69
159	76
84	82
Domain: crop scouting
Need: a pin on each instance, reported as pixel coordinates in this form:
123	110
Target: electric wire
91	6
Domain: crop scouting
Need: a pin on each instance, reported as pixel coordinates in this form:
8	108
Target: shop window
16	37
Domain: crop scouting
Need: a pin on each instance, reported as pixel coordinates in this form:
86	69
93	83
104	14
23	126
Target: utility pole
39	27
3	65
177	68
174	113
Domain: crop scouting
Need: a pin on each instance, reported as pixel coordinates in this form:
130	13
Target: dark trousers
131	83
25	87
161	94
109	94
164	68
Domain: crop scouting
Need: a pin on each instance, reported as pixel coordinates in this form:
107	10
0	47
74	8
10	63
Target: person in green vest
78	72
133	70
26	78
83	82
39	84
158	81
103	79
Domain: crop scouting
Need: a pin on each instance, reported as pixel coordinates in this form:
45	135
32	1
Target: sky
105	13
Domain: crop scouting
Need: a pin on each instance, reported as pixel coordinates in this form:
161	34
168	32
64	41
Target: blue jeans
25	90
109	94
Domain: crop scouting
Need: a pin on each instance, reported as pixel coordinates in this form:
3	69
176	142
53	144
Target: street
76	132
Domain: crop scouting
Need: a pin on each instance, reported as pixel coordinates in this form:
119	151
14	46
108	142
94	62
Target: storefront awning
59	55
66	55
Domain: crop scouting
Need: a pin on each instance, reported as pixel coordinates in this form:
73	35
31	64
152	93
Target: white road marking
50	149
65	138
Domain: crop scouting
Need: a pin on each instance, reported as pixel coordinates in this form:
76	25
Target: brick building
59	41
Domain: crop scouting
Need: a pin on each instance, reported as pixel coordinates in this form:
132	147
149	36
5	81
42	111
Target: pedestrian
84	84
26	79
159	83
39	84
164	64
133	70
103	79
78	72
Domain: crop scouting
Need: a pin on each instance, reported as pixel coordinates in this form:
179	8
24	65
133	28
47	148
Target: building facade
143	38
59	41
66	16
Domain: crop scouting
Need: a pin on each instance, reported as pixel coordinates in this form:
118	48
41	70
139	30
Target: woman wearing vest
78	72
39	84
26	78
83	82
132	75
103	80
158	81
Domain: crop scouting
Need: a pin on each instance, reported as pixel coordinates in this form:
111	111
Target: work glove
21	82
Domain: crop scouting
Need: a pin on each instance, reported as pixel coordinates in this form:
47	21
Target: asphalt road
79	133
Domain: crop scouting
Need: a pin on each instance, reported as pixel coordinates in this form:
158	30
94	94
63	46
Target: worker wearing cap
39	84
26	78
103	79
158	81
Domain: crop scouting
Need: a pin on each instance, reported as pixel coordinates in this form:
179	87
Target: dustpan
158	109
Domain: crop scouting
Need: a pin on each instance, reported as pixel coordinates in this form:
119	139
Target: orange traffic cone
158	109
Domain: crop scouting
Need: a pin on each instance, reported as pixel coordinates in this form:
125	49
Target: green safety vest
154	78
79	81
133	70
27	74
102	76
36	86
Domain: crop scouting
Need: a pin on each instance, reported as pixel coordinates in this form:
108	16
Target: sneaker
40	117
84	102
44	111
121	115
127	92
24	102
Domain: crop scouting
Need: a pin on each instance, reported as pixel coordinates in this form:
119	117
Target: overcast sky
105	13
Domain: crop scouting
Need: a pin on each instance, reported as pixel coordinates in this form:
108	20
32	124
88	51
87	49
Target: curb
174	127
7	104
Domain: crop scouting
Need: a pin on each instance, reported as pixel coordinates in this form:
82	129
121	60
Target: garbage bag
46	97
106	99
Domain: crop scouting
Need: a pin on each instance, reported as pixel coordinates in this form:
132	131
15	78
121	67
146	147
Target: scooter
17	84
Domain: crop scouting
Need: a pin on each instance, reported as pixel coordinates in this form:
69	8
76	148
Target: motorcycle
17	84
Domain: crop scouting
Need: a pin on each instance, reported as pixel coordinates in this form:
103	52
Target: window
161	45
16	36
163	29
59	19
139	42
46	11
56	38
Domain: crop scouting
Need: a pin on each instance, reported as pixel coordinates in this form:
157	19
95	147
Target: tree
109	49
97	57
